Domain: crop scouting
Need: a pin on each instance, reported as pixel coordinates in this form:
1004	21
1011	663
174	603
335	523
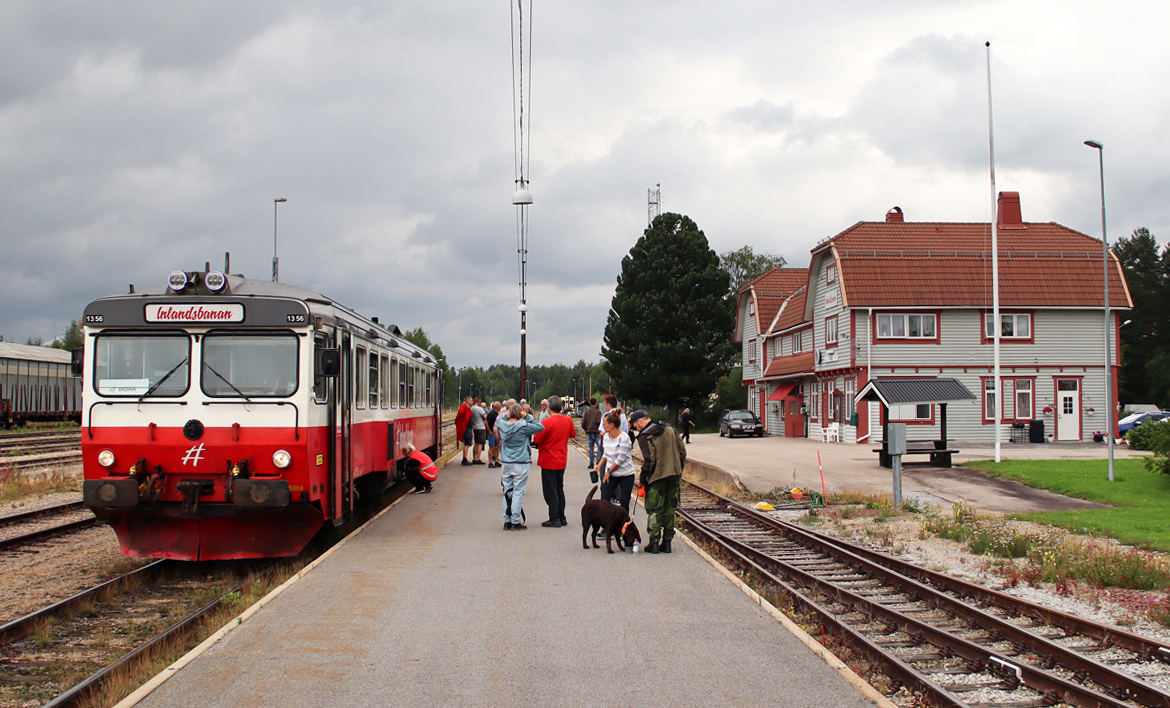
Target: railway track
111	625
935	640
36	443
38	517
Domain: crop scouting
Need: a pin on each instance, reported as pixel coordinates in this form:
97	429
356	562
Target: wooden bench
940	454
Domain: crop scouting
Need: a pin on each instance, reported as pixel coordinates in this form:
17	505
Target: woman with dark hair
616	466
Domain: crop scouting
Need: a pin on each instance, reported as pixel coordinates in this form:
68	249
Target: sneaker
478	462
466	462
564	521
421	490
507	525
551	524
519	527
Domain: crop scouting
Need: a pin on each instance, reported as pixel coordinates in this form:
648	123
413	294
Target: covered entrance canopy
782	391
892	392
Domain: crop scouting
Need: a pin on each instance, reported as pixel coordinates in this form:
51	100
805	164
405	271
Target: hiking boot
664	547
652	547
552	524
564	521
507	525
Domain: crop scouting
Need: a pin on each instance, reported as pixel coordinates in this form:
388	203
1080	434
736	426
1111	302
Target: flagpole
995	321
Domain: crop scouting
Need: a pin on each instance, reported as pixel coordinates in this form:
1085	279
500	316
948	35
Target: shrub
1147	436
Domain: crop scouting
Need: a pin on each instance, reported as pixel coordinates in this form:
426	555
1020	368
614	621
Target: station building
901	299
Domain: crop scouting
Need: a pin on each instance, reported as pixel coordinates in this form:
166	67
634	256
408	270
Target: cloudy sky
141	137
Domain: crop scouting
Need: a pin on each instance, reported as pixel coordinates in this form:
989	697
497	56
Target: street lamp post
275	260
1108	351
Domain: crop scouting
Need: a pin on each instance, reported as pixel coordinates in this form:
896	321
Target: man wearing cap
663	457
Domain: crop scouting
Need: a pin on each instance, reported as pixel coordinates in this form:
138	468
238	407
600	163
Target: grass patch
1140	498
15	485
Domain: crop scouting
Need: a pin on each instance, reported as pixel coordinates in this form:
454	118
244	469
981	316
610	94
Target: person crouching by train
663	457
463	429
421	470
553	443
515	436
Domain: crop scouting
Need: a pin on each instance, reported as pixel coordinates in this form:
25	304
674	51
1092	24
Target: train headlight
281	459
106	458
177	280
215	281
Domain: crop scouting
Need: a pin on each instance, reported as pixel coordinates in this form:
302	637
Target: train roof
259	295
27	352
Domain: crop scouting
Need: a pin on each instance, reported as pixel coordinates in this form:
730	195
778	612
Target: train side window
411	388
320	387
385	381
394	382
359	370
373	379
403	400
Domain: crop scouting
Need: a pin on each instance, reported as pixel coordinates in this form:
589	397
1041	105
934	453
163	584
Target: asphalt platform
434	604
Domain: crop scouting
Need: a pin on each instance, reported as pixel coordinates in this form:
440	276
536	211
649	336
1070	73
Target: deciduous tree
743	266
668	337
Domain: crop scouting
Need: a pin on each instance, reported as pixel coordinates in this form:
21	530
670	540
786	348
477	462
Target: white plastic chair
830	433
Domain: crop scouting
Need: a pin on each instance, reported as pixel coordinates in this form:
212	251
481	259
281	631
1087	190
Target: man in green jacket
663	457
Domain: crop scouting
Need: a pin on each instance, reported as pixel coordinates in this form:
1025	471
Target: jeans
618	490
594	441
515	478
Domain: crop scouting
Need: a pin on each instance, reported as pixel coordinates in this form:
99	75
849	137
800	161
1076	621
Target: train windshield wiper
229	383
158	383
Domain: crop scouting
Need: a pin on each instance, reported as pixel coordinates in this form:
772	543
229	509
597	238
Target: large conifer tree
669	335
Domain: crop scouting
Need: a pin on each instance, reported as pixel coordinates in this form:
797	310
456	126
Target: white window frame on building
901	325
1013	323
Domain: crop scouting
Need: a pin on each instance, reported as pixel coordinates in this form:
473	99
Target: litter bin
1036	432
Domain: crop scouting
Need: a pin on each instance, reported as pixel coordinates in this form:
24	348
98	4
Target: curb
817	648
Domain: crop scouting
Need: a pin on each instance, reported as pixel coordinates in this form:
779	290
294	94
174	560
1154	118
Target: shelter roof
25	352
896	391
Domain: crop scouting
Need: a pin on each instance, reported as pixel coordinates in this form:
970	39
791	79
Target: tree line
1144	376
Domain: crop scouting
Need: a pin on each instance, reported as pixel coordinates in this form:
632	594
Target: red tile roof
788	365
939	264
771	289
793	313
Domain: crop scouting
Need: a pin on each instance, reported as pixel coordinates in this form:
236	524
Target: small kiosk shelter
892	392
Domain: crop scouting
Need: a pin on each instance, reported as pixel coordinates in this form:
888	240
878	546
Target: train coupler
192	489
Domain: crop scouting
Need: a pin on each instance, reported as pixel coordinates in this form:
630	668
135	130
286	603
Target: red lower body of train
220	495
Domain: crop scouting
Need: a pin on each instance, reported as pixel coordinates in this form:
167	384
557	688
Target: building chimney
1008	210
894	216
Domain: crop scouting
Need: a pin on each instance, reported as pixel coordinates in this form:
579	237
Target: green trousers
662	499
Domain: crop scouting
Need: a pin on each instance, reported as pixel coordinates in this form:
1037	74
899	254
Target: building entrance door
794	425
1068	410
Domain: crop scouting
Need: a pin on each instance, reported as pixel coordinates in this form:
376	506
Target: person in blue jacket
515	436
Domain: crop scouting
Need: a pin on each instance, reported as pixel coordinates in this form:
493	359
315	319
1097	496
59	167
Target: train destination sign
198	313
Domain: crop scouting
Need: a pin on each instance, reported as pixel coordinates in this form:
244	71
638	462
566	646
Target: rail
926	633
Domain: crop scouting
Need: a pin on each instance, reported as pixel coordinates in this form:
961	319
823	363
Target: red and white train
232	418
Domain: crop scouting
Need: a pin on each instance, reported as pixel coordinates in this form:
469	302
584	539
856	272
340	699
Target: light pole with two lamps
1109	412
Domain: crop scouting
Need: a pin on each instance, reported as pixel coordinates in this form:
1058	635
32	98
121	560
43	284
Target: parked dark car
741	422
1130	422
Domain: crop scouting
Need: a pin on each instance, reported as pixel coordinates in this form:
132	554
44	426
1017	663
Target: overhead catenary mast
522	198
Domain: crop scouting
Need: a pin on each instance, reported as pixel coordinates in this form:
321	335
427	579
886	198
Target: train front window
249	365
134	365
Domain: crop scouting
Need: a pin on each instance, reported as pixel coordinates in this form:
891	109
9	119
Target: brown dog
607	516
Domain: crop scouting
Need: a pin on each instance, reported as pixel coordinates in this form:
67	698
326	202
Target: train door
341	487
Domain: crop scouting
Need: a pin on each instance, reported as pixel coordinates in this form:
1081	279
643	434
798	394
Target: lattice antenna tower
653	203
521	137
